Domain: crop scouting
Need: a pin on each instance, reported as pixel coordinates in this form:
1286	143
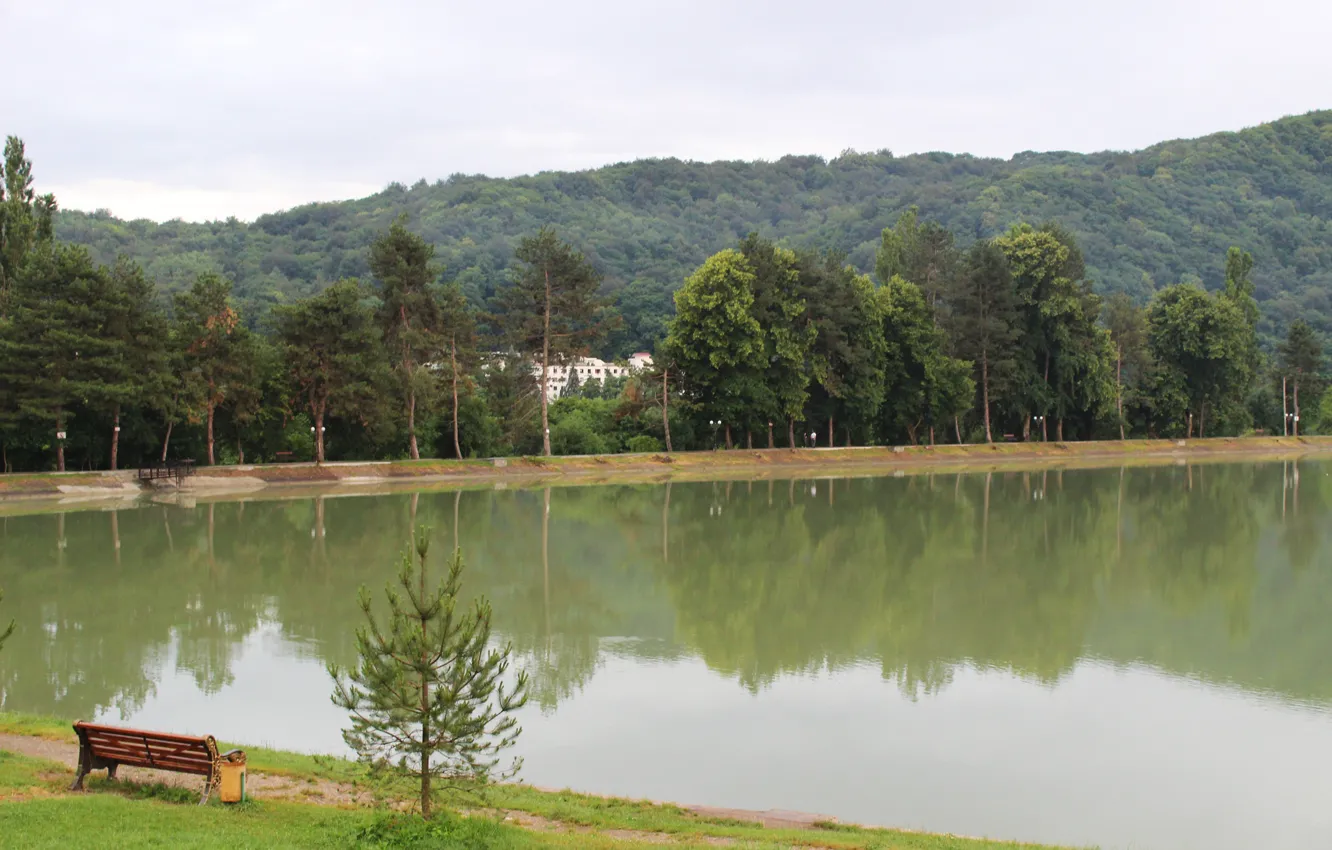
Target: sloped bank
702	465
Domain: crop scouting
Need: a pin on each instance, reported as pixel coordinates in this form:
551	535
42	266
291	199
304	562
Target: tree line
1004	338
1143	218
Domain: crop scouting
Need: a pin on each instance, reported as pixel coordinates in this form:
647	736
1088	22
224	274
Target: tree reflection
1027	572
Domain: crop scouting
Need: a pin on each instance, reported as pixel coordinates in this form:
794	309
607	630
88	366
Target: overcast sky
176	109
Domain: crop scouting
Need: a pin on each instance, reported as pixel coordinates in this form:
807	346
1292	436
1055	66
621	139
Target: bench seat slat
138	744
93	729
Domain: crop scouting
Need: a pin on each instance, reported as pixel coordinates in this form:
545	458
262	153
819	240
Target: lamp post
715	423
1039	422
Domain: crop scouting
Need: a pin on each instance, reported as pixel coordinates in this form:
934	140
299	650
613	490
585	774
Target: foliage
332	353
1159	214
409	316
550	312
427	695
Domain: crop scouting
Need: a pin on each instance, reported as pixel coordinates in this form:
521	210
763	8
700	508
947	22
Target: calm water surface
1137	658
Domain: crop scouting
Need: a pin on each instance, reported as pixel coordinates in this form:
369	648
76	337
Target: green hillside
1144	219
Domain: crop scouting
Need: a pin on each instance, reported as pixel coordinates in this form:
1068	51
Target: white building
588	369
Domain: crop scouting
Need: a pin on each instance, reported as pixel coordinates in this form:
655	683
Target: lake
1132	658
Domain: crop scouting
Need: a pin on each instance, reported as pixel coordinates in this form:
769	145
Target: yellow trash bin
232	789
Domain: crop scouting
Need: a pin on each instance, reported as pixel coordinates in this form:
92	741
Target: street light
715	423
1040	421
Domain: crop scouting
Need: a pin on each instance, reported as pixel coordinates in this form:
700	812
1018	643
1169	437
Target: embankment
705	465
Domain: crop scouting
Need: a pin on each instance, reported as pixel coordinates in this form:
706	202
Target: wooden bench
111	746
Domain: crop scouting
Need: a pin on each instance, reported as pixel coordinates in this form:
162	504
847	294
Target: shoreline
368	477
280	776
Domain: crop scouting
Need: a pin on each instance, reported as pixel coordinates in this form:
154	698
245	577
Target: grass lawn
36	811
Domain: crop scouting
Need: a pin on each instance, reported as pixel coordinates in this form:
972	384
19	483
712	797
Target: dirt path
328	793
260	785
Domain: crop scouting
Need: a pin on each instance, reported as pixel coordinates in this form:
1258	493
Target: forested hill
1144	219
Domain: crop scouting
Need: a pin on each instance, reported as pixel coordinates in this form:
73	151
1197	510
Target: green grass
34	806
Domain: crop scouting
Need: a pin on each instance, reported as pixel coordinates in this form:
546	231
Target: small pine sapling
428	698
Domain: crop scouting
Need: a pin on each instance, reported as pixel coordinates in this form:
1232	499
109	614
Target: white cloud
178	110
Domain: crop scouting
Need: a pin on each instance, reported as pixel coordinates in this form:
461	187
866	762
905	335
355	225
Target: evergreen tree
1300	359
135	369
550	312
984	321
217	352
409	315
25	218
331	351
54	348
427	696
922	254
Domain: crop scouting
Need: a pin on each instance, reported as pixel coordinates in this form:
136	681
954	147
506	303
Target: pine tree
25	218
551	313
135	369
216	348
331	352
409	315
54	348
426	697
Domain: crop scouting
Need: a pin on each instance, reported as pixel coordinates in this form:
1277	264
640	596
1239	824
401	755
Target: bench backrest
137	748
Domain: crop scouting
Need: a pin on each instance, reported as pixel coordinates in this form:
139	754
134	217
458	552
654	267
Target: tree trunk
1202	420
985	394
1295	399
749	439
60	442
411	425
453	353
425	701
166	441
240	451
1285	413
1059	429
931	436
665	400
1119	387
545	365
1045	420
790	433
211	457
729	444
115	438
832	437
957	429
319	434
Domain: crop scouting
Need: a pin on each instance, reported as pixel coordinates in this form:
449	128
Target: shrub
644	444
